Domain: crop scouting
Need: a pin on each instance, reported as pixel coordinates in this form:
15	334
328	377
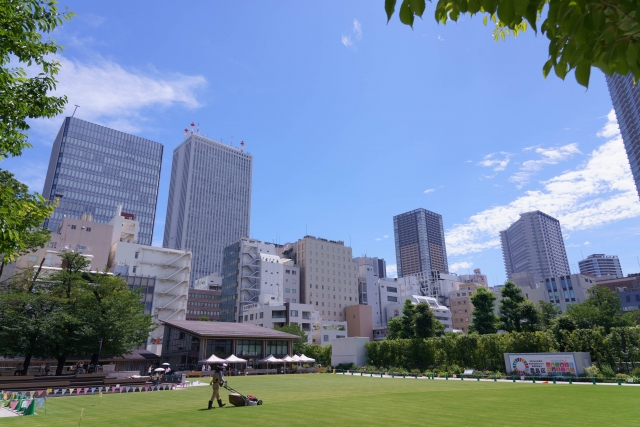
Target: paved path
625	384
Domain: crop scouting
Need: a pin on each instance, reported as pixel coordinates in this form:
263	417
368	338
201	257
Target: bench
194	373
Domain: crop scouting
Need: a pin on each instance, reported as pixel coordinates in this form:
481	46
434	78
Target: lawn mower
238	399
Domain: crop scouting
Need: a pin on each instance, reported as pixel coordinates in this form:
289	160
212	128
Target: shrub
346	367
592	371
607	371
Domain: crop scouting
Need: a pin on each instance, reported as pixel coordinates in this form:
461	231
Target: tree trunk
27	362
94	359
61	360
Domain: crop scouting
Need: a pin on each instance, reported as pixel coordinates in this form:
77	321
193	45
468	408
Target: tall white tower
209	204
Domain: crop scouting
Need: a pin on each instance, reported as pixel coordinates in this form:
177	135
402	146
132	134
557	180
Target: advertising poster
546	364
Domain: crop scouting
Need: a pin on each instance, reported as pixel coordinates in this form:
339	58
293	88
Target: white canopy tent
234	359
271	359
306	359
212	360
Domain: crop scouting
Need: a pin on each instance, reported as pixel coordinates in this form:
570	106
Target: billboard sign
546	364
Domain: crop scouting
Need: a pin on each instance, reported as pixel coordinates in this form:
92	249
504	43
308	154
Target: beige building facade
328	275
461	306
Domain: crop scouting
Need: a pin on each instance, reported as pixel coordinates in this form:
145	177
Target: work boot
211	405
220	404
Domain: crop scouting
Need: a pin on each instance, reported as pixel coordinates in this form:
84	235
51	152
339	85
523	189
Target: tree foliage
581	33
601	309
510	307
21	217
24	24
417	321
295	329
65	313
484	320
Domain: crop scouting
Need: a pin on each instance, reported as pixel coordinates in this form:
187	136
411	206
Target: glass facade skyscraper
209	204
625	96
93	169
420	246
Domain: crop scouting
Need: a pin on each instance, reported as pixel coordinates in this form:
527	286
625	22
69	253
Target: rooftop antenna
241	145
198	131
192	126
74	110
232	140
185	131
581	254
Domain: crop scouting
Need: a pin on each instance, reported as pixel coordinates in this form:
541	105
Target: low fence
495	378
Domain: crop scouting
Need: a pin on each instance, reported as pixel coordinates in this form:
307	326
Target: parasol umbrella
159	370
166	364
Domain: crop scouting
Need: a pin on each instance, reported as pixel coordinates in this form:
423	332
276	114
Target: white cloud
611	129
548	156
429	190
392	270
357	29
31	174
386	236
587	243
378	238
598	192
551	156
457	266
111	95
346	40
497	161
356	32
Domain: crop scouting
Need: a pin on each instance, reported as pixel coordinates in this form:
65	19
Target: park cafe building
187	341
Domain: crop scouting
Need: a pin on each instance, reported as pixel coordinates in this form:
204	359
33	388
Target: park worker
216	381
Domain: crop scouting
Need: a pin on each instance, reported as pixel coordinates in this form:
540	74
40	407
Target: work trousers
216	393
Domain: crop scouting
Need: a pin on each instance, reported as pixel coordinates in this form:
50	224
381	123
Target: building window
392	299
294	313
88	228
251	316
73	227
261	314
134	270
136	255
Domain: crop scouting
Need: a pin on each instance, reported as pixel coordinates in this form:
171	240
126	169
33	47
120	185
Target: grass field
337	400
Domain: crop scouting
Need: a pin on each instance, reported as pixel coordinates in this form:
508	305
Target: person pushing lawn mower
216	381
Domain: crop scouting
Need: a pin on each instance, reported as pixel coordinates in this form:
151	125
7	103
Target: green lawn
337	400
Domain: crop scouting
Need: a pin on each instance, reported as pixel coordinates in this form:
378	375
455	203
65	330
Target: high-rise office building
601	265
420	246
533	249
625	96
209	203
93	169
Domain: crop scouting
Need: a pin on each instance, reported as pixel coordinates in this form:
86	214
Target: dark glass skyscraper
420	246
625	96
93	169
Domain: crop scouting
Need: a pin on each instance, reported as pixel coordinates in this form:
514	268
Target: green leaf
389	7
583	71
406	15
547	68
418	7
506	12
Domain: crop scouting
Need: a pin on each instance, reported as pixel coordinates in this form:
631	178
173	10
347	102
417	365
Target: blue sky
352	121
